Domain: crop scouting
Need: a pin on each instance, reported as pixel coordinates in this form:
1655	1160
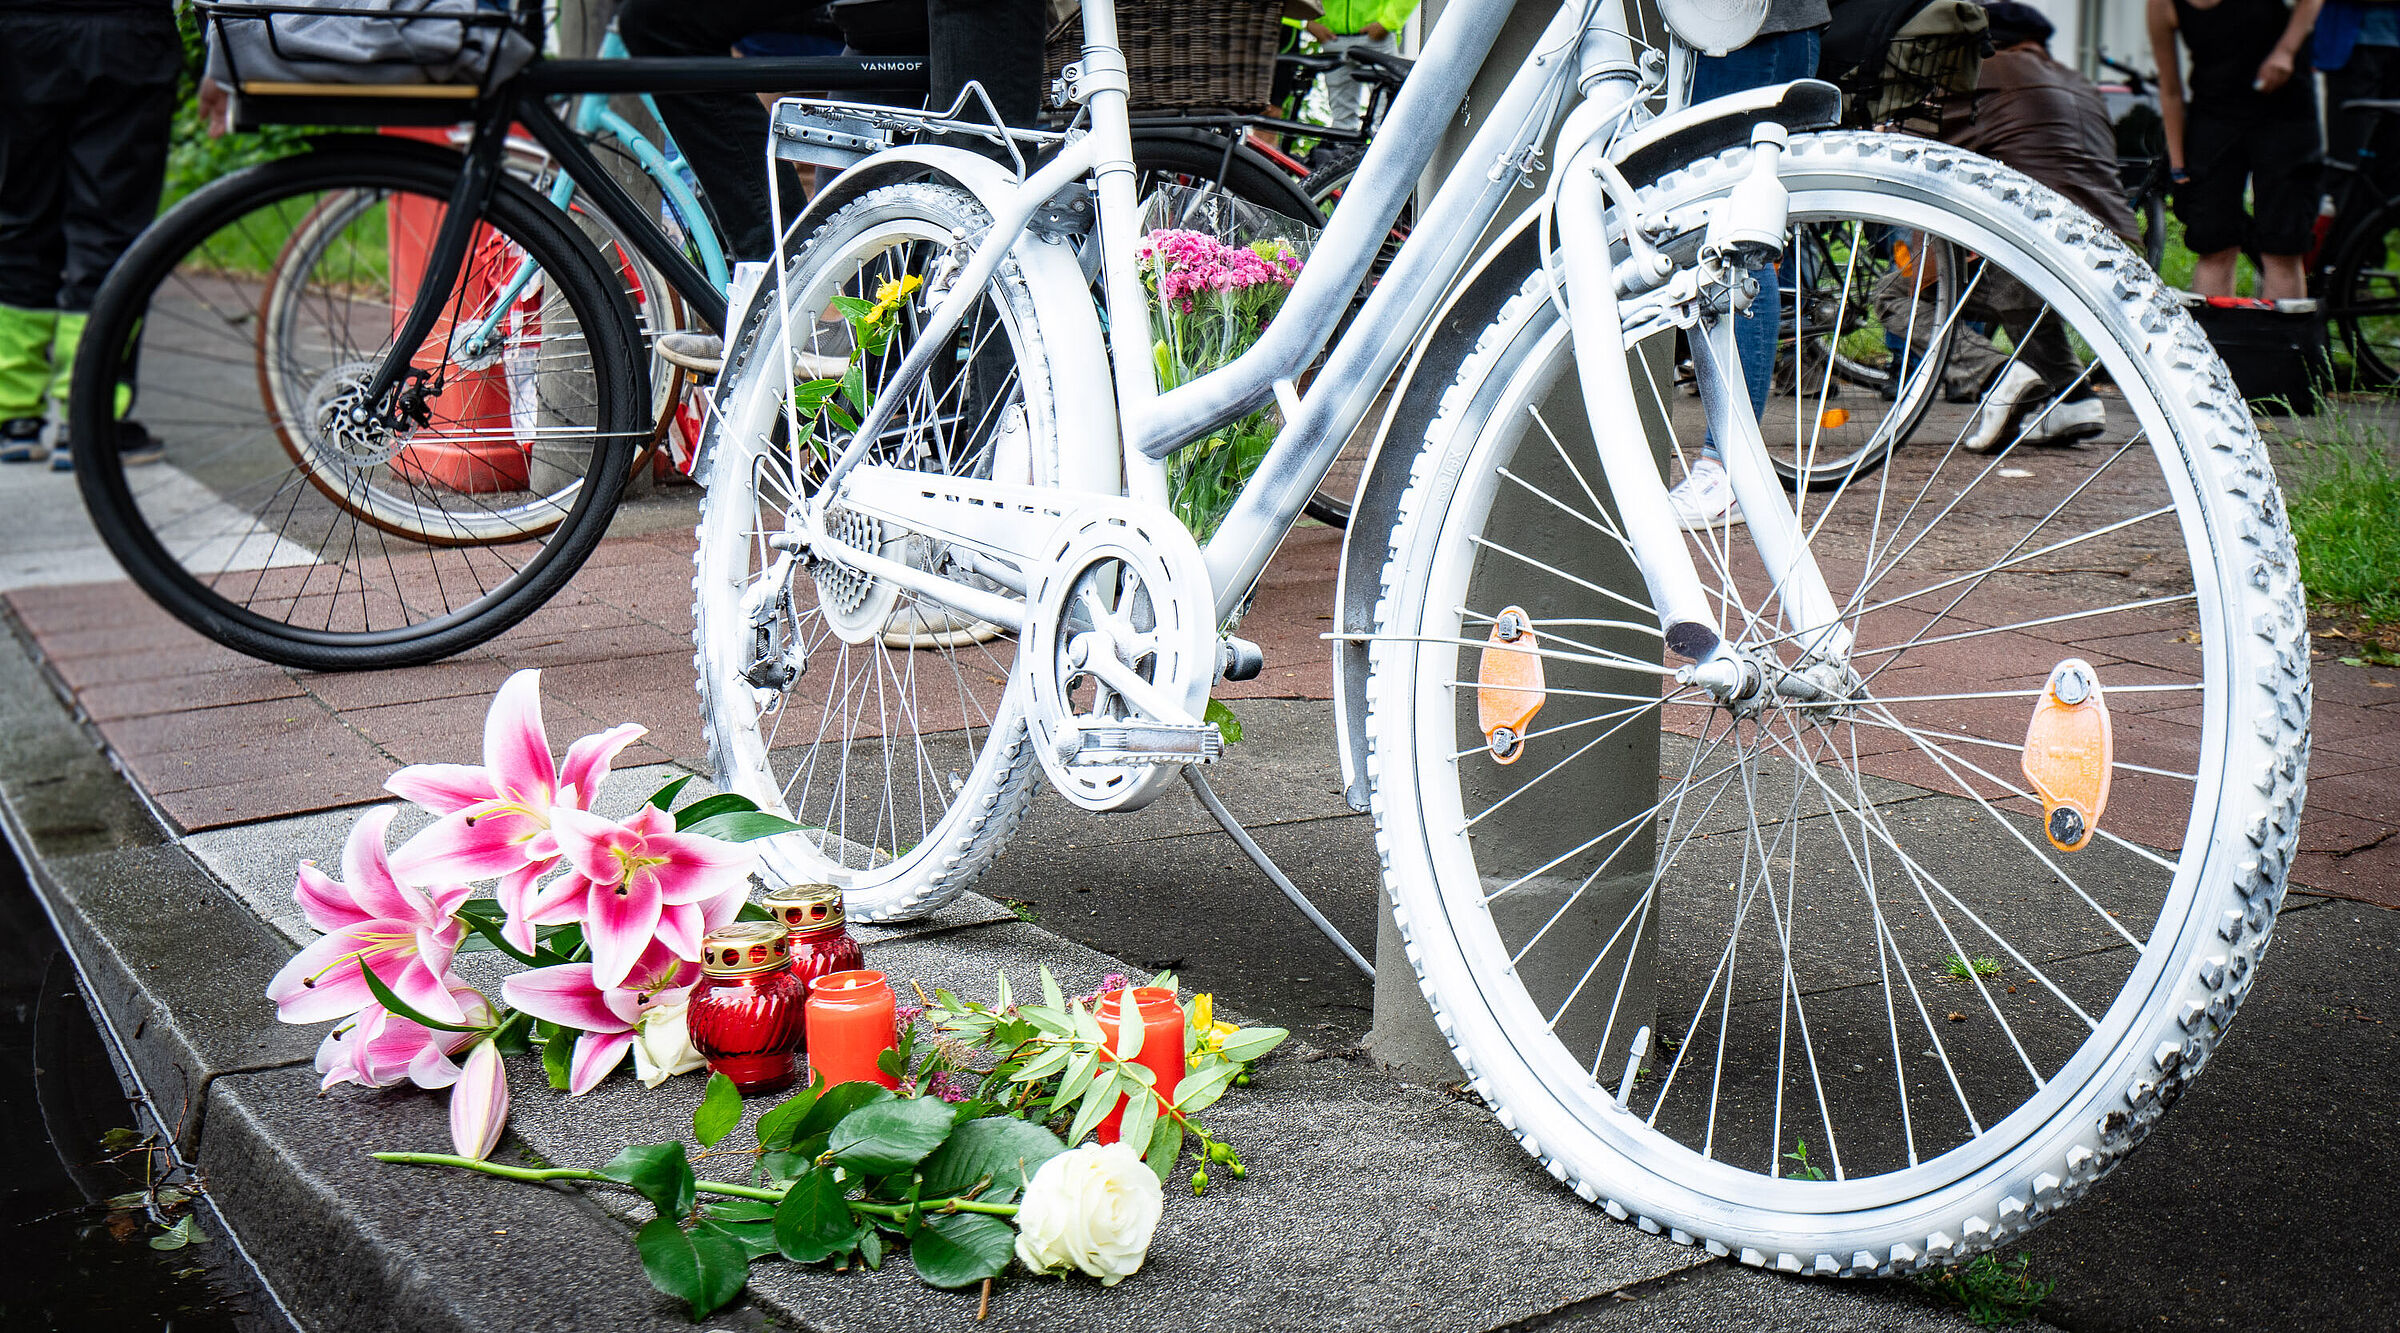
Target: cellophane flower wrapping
1217	269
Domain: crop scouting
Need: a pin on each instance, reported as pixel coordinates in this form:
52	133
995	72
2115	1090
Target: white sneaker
2000	409
2069	423
1704	498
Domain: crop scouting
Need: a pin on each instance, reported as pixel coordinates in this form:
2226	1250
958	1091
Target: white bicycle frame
1584	51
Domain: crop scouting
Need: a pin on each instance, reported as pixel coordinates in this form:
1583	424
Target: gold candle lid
745	948
805	906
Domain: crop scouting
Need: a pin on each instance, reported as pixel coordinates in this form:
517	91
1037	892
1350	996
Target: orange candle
852	1019
1162	1043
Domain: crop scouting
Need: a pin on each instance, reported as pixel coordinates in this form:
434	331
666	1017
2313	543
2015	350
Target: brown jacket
2047	121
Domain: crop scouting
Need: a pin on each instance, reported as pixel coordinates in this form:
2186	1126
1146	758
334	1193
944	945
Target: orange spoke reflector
1508	686
2069	753
1834	418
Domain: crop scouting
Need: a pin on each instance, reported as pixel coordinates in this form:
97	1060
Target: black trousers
85	106
724	135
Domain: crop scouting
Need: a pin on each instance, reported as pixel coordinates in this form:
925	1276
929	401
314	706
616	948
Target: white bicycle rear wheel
902	748
1896	1025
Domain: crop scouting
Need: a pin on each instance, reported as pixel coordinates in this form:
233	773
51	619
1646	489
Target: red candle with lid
1162	1044
820	941
853	1018
746	1014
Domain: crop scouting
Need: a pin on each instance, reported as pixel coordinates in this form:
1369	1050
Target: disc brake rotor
339	433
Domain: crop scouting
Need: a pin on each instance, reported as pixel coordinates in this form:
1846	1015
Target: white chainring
1124	578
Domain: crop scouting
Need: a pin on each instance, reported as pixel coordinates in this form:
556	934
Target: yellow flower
890	295
1204	1021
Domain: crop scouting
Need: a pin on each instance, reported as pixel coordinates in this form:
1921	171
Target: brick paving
217	739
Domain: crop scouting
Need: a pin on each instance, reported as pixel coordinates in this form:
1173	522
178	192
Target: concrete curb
1418	1212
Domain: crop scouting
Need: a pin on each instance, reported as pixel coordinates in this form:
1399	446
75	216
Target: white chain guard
1121	758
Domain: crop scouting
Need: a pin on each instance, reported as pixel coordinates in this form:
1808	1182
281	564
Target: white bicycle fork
1748	223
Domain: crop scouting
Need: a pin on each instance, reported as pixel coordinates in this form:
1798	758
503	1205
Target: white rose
662	1045
1093	1208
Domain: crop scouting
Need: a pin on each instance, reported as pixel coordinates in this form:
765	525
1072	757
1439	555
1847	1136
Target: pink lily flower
608	1017
495	818
641	881
371	917
479	1102
375	1048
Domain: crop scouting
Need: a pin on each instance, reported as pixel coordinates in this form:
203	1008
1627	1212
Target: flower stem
538	1174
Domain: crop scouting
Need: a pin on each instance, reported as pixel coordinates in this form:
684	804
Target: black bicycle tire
601	307
1830	477
2341	316
1248	176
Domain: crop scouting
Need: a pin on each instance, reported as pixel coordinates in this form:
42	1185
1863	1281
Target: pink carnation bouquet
1210	301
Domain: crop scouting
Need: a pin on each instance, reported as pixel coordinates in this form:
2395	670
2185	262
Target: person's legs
1703	497
116	163
996	43
2209	202
722	135
2283	174
1344	94
32	248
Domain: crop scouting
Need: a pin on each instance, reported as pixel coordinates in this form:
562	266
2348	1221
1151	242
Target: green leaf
730	1211
756	1239
1141	1114
1001	1149
853	307
558	1056
962	1249
1044	1065
778	1127
723	803
384	996
1130	1027
1097	1101
513	1036
742	826
1166	1145
813	1222
664	797
185	1232
1086	1066
836	1103
1003	999
1167	981
719	1111
1052	996
870	1247
890	1062
703	1268
1228	726
883	1137
487	923
1249	1044
1201	1089
659	1173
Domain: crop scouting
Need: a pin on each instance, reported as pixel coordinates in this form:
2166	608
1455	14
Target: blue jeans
1781	58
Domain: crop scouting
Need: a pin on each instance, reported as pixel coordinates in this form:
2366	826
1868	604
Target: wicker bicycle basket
1919	74
1214	54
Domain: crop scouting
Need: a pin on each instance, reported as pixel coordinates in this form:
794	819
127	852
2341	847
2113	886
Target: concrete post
1611	783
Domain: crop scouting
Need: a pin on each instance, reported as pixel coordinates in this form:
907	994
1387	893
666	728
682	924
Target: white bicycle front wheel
886	724
1833	1001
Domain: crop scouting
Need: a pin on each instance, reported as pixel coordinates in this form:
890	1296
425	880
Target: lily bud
479	1102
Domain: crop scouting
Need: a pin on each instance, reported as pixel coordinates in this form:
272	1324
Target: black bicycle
401	391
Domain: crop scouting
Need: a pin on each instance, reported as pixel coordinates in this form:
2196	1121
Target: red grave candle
1162	1044
745	1015
821	943
853	1018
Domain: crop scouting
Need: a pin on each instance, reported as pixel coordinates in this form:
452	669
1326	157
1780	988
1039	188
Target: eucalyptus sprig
1056	1063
